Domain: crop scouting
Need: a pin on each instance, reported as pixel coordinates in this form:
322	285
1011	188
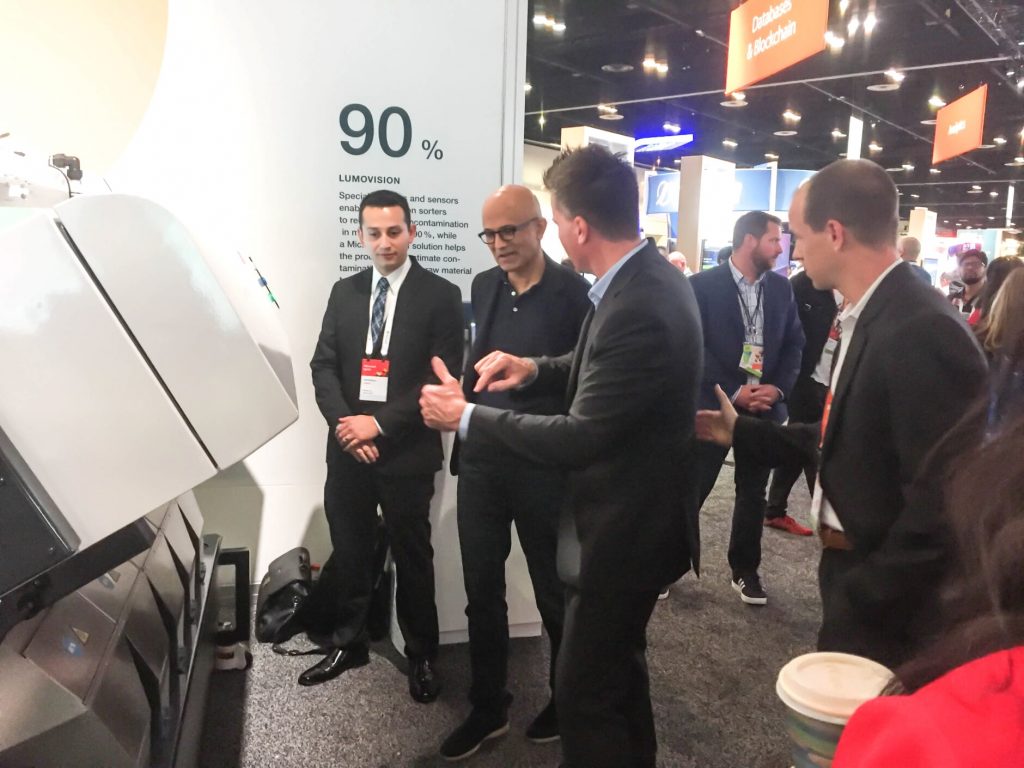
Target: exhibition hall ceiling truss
653	67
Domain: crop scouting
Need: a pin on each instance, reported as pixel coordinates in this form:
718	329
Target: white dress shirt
821	509
395	280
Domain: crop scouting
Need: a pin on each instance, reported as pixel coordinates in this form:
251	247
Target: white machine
135	365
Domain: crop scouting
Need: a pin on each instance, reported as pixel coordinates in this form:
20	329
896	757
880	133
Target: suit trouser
603	691
495	490
806	405
351	496
748	509
846	631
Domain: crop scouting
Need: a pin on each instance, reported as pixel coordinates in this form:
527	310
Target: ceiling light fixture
549	23
936	102
729	143
929	122
616	68
870	23
934	171
908	166
999	140
671	127
528	87
976	187
838	134
993	193
874	146
916	197
791	117
541	120
844	5
895	75
785	133
854	25
653	65
770	156
834	41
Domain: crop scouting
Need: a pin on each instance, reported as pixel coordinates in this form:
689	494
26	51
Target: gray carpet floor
713	662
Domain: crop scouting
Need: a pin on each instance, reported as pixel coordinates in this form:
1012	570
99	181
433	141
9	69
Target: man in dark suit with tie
817	311
527	305
752	347
380	330
629	520
905	367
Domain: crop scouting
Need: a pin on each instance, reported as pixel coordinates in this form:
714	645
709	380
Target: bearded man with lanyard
753	342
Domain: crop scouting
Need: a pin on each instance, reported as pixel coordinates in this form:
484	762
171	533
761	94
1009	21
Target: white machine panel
85	413
159	281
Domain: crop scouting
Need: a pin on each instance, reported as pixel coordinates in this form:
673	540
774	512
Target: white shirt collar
599	288
855	311
396	278
737	275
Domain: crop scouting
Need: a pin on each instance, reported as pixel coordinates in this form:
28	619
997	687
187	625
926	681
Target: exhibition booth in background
244	135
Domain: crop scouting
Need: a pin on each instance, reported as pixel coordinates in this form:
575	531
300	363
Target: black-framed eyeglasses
505	233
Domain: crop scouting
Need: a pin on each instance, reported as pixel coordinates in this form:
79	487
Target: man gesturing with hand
628	523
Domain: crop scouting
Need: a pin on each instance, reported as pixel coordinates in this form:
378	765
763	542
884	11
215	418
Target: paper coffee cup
821	691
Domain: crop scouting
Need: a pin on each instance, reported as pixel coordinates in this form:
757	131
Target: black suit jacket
722	320
817	311
564	307
912	369
427	322
630	515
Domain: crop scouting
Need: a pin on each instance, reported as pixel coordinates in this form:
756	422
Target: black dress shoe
334	663
423	683
544	727
479	727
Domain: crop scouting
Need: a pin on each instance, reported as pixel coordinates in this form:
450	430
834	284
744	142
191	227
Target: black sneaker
544	727
750	590
467	738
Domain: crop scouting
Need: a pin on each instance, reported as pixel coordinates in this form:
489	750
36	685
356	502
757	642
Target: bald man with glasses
530	306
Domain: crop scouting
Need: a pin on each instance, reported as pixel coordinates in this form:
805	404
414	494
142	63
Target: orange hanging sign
766	36
960	126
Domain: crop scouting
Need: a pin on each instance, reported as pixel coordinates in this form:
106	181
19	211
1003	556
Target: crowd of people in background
596	417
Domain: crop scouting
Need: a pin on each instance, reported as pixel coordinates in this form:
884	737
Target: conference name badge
373	380
752	360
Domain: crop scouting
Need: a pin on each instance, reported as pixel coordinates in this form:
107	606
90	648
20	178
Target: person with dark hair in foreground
371	359
628	524
964	694
905	367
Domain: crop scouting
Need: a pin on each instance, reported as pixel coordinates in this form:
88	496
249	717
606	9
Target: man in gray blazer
628	524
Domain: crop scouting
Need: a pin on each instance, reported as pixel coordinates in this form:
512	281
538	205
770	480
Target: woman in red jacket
962	701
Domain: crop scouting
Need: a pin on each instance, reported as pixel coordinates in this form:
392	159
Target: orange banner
960	126
766	36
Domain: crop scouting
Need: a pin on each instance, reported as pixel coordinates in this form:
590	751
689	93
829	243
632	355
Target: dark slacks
603	691
806	405
748	509
495	490
341	600
843	629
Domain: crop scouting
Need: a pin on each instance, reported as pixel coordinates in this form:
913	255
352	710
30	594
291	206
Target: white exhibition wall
265	125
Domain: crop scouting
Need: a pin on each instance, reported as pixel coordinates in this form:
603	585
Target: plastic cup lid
830	686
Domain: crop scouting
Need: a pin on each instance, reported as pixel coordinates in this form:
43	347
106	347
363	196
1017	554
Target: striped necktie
377	316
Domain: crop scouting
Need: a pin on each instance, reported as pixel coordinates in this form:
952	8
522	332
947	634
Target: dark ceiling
942	47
